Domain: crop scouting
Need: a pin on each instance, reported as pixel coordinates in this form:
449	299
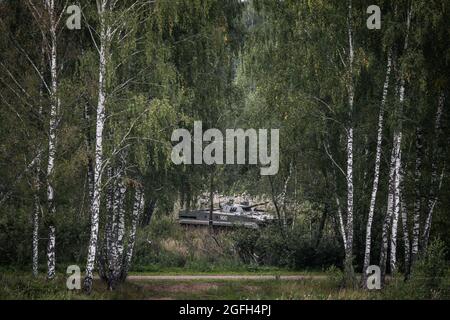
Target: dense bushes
16	238
430	278
292	248
165	244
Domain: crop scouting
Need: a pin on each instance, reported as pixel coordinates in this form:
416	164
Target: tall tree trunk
435	184
396	213
418	198
388	216
51	255
349	173
90	165
349	227
138	206
404	215
376	176
120	228
341	222
111	229
105	35
284	196
37	177
397	163
36	213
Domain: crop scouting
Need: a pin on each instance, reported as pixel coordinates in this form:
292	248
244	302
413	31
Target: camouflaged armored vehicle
228	215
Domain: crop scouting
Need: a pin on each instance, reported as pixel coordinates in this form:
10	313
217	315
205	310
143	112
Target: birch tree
105	38
49	32
51	250
104	7
436	182
389	211
114	29
417	194
398	163
376	175
349	173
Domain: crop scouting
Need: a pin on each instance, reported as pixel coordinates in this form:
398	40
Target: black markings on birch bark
418	198
435	183
54	106
105	38
376	170
349	173
389	211
404	216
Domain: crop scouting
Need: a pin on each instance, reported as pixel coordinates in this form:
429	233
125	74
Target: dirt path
224	277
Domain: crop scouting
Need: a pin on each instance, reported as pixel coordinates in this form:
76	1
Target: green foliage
289	248
430	277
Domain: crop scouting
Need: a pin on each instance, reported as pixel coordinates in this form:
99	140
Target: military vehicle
229	215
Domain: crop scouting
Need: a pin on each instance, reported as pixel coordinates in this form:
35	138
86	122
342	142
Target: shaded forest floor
22	286
18	286
311	288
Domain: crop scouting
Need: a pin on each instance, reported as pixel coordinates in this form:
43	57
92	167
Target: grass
242	270
23	286
247	289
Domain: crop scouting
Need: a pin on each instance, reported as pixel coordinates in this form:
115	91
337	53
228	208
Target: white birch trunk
105	34
138	206
389	210
376	177
110	228
349	227
434	187
349	174
341	223
35	253
418	198
404	215
398	164
284	195
396	212
51	256
120	228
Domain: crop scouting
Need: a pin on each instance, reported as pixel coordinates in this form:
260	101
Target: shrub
430	277
288	248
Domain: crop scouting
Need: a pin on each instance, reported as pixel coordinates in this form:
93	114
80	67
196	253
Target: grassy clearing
248	289
243	270
22	286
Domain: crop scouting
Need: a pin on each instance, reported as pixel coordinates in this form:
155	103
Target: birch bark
418	197
349	173
120	229
396	209
389	210
404	215
435	184
105	35
398	135
138	207
376	177
54	106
